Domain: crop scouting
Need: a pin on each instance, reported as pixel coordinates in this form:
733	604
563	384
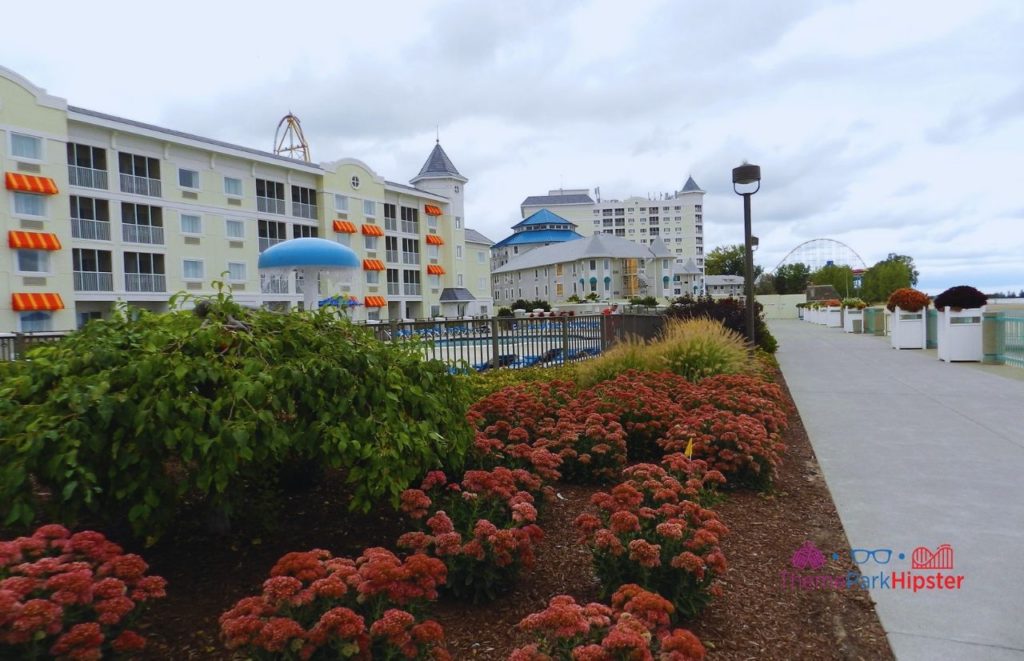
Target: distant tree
839	276
728	260
767	284
792	278
886	276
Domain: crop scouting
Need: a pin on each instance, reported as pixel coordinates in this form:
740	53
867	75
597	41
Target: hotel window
303	232
271	233
434	280
458	252
188	178
33	261
372	277
303	202
482	284
344	239
234	229
341	203
90	218
458	222
270	196
593	265
233	186
29	204
26	146
369	208
236	272
354	181
410	220
370	242
191	224
433	252
697	207
390	219
35	322
192	269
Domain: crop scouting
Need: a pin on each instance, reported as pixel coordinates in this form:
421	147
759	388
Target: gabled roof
456	294
438	165
472	236
723	280
544	217
597	246
555	200
538	236
691	186
690	267
659	248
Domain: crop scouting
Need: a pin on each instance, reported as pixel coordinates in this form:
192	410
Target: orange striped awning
33	240
435	240
435	269
372	230
20	302
344	226
373	265
375	302
432	210
28	183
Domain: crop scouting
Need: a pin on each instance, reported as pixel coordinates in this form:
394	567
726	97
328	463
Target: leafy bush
71	596
961	297
645	301
635	626
536	304
134	418
505	312
483	528
316	606
854	303
482	384
646	531
908	300
731	312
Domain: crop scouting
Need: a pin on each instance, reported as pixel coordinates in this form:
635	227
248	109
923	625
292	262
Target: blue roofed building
542	228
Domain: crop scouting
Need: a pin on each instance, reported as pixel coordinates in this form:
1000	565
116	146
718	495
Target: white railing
410	227
93	281
270	205
274	284
266	243
412	289
145	282
96	230
410	258
87	177
303	210
394	289
140	185
152	234
391	224
391	256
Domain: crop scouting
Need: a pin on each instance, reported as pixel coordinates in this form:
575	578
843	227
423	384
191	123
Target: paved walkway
918	452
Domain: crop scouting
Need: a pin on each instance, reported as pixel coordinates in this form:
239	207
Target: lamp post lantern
745	175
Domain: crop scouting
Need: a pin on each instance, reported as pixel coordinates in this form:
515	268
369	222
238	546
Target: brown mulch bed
756	618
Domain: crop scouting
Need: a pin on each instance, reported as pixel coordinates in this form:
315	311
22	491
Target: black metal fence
480	344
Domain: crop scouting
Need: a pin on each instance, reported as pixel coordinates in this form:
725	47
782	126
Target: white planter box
959	334
908	330
849	314
834	317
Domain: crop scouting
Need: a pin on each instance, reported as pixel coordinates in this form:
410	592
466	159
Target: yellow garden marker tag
689	449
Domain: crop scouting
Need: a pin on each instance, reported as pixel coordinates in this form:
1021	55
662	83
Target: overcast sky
890	125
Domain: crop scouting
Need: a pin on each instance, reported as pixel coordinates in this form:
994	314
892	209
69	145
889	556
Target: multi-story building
613	268
675	218
100	209
541	228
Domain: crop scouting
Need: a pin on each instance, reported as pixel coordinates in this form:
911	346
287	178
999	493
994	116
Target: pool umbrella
309	257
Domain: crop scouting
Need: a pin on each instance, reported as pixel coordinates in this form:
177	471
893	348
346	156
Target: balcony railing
411	289
140	185
303	210
153	234
274	284
391	256
267	242
96	230
410	227
391	224
145	282
87	177
93	281
270	205
410	258
394	289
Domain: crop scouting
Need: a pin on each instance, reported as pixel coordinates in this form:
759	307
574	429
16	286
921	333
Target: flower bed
71	596
316	606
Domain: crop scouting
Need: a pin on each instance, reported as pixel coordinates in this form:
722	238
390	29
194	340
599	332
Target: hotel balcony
140	185
145	282
151	234
95	230
87	177
93	281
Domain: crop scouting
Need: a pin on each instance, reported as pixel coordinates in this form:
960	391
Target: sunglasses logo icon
881	556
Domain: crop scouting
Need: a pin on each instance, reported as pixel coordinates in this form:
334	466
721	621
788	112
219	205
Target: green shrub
134	418
482	384
731	312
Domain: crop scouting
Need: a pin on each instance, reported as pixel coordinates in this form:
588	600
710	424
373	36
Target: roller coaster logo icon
924	558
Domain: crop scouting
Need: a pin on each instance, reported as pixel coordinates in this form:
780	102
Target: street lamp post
745	175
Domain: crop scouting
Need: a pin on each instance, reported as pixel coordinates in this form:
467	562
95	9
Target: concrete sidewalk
918	452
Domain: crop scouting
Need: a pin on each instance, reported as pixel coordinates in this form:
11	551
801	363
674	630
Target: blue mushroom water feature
310	258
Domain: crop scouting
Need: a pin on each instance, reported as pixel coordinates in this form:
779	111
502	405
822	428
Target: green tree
767	284
792	278
887	276
837	275
728	260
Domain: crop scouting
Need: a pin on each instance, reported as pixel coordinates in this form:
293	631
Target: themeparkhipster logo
877	569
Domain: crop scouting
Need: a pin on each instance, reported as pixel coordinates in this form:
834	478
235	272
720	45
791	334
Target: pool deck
919	453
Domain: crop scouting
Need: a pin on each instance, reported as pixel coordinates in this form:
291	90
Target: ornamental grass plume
698	348
71	596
